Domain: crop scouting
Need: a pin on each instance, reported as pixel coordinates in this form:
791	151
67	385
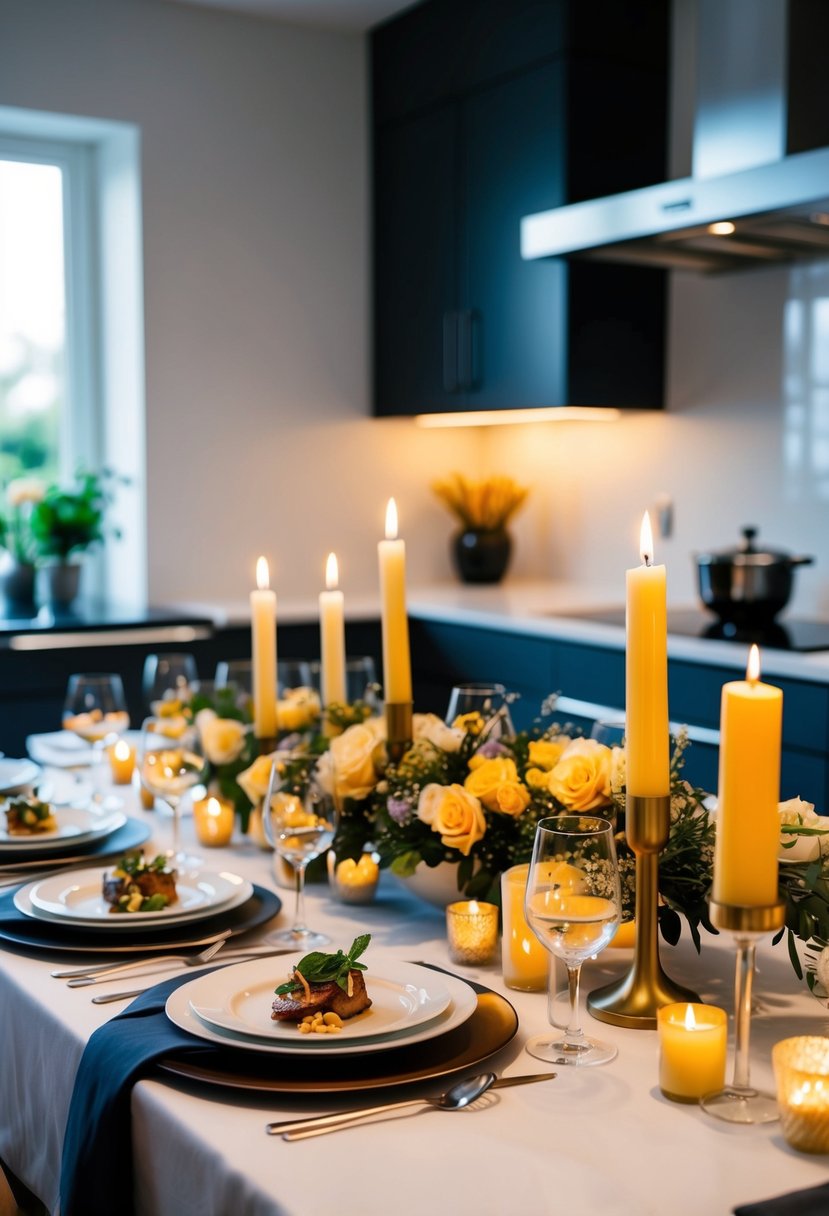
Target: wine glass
292	673
300	819
170	766
573	904
611	734
95	707
167	677
360	681
488	701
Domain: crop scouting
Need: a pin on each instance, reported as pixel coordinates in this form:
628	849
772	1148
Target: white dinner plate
76	825
353	1039
401	998
15	775
75	898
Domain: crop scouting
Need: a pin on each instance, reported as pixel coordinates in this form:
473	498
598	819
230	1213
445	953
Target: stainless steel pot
746	585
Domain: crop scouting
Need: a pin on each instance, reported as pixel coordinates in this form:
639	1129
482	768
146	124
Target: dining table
591	1140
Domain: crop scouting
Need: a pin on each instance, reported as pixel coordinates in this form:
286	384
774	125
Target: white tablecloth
597	1140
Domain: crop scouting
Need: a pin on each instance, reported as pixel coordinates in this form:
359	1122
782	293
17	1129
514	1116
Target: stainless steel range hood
746	201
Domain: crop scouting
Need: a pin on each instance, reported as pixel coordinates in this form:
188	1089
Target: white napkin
61	749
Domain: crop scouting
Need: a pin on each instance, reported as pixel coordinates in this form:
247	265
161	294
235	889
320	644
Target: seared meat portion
327	998
138	886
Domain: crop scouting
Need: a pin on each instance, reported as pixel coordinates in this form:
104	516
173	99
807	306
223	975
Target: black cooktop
788	633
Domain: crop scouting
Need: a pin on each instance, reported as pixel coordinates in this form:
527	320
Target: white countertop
538	609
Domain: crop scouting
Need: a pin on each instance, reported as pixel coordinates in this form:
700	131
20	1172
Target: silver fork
187	960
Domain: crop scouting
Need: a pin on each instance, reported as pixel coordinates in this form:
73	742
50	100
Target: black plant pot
62	581
481	557
17	584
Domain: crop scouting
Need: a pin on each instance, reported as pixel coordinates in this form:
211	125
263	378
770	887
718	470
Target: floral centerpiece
463	796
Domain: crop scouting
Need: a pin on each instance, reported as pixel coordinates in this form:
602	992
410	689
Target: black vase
481	557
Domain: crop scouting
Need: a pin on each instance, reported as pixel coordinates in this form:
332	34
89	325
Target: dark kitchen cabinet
482	113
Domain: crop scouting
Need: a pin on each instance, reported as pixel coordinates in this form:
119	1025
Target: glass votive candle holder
121	761
692	1050
213	819
472	931
801	1070
354	882
524	961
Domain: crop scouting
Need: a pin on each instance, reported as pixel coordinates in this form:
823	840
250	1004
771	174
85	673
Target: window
71	316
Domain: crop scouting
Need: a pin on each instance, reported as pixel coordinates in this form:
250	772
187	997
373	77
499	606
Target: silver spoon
456	1098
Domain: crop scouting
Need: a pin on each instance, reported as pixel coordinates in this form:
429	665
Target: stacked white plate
76	898
232	1007
76	825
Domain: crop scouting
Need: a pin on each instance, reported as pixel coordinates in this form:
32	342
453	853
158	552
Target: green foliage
69	521
321	968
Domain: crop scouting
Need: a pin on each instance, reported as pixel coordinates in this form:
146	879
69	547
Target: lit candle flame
391	520
646	540
332	573
213	807
121	751
263	580
753	665
690	1020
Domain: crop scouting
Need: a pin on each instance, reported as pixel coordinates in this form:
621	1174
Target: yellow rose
352	758
254	780
221	738
537	779
454	813
581	779
471	723
488	776
546	753
512	798
300	707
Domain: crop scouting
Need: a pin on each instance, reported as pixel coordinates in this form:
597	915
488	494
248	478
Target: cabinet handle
109	637
476	322
450	351
465	348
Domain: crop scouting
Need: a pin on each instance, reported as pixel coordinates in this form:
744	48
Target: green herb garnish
136	863
320	968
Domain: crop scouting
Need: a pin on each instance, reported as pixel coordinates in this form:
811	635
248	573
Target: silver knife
347	1117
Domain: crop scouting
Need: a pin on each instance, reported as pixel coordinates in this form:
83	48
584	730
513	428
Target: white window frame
105	421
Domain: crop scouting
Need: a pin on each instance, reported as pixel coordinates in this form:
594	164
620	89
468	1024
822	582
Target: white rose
822	969
435	731
352	757
24	489
221	738
797	813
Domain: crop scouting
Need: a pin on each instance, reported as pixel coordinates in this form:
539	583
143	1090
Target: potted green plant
17	568
65	523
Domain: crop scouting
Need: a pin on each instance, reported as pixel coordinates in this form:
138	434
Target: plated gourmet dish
29	817
323	989
139	885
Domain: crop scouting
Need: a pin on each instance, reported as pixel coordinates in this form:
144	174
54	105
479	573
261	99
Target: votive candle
692	1050
122	762
472	931
801	1070
213	819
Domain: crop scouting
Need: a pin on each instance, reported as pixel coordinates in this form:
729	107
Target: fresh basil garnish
320	968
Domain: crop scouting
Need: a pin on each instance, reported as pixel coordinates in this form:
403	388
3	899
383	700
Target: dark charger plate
492	1026
21	930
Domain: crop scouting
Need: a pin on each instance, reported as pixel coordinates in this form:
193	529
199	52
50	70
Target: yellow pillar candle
213	818
472	930
748	825
397	665
263	653
647	734
692	1050
122	762
524	961
332	637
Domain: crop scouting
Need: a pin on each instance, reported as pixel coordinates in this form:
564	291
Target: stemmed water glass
489	701
168	677
573	904
300	818
170	766
95	707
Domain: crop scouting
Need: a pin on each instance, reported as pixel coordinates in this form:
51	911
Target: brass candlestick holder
265	745
739	1102
398	729
634	1000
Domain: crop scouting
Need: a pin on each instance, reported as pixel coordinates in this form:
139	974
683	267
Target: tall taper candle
647	732
397	665
748	825
263	653
332	637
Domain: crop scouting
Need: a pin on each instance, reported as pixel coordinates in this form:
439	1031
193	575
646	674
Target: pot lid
748	554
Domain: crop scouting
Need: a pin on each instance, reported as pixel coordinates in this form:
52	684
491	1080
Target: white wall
255	202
